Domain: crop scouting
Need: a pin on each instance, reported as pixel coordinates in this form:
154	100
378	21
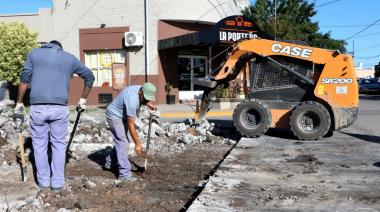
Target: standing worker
48	70
121	115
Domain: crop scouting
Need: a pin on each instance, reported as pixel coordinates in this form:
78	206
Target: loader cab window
190	67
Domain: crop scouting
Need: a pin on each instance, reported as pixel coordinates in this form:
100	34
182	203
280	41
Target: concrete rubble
164	136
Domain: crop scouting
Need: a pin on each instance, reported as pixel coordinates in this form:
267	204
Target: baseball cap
149	91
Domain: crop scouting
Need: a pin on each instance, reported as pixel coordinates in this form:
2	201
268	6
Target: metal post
146	10
275	20
209	60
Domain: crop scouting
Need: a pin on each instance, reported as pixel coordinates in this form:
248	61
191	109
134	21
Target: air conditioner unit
133	39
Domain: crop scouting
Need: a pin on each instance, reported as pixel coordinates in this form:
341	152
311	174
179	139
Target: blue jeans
119	153
53	119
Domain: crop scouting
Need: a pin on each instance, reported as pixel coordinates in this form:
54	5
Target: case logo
294	51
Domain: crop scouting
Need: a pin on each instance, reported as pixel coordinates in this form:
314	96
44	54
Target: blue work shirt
48	70
126	104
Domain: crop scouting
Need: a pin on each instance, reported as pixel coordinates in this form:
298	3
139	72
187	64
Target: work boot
56	190
125	182
127	179
44	189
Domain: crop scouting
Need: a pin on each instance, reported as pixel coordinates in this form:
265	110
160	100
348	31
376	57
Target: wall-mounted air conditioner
133	39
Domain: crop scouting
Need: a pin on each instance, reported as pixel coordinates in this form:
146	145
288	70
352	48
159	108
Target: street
338	173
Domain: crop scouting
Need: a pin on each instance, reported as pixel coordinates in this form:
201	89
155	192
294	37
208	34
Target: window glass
100	62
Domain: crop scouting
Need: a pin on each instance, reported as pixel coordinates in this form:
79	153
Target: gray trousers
119	153
53	119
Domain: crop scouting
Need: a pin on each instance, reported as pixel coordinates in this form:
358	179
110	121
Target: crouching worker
121	115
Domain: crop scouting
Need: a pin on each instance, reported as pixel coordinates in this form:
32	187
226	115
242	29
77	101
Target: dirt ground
167	184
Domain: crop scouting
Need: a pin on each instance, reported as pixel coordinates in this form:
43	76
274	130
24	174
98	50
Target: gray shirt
48	70
126	104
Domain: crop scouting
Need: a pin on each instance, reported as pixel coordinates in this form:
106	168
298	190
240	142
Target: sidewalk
188	111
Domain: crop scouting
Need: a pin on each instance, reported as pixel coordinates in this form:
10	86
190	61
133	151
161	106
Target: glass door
190	67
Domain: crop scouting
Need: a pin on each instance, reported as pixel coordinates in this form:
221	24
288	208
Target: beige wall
364	73
67	17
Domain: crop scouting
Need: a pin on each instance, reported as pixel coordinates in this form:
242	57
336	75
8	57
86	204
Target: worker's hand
151	106
20	108
81	105
138	149
18	115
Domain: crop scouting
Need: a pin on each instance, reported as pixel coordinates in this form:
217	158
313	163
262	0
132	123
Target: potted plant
170	98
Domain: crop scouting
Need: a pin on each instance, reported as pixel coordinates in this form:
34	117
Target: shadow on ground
369	138
99	157
369	97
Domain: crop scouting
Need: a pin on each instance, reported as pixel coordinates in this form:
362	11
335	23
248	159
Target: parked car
371	85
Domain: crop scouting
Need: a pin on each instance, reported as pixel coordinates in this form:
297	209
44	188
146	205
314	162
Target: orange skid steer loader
310	90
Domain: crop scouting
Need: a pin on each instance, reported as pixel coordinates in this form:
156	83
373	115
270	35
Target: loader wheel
310	121
251	119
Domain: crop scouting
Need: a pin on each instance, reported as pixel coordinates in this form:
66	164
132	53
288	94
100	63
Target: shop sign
225	36
118	76
234	28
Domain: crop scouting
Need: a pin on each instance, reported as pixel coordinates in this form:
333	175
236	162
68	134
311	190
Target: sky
343	18
23	6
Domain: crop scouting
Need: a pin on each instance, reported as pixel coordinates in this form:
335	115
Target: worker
121	115
48	71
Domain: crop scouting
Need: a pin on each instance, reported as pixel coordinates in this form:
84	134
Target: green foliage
221	92
168	88
15	43
292	22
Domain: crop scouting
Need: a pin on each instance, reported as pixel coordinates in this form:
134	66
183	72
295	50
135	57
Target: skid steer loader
310	90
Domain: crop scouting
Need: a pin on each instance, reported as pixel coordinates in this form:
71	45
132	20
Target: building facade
93	30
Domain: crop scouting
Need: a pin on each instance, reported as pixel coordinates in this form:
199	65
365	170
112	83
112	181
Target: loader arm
229	71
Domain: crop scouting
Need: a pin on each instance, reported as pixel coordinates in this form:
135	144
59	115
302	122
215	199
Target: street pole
275	20
146	10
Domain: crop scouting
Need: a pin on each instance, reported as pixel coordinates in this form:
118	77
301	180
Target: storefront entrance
190	67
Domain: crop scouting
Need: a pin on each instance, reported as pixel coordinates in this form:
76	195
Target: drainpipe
146	10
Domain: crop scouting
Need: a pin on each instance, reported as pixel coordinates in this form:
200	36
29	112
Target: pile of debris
175	136
170	136
7	130
8	134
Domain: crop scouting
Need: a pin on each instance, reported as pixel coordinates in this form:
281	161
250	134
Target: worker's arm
88	77
86	74
133	132
86	91
25	79
21	92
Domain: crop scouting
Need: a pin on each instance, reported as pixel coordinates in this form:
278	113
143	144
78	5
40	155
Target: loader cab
269	81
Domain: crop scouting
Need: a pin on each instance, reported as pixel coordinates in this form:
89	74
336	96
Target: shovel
18	119
69	153
148	140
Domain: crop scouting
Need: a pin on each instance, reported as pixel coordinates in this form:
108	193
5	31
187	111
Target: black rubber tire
310	121
252	119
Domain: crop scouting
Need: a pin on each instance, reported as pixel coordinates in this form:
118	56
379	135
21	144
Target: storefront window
100	62
190	67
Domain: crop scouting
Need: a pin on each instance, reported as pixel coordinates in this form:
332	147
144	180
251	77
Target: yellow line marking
192	114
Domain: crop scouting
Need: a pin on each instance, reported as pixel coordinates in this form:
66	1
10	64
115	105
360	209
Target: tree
15	43
290	20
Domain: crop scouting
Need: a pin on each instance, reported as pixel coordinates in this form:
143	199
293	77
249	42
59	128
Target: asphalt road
277	172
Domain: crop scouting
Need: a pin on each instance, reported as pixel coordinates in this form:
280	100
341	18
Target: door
190	67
